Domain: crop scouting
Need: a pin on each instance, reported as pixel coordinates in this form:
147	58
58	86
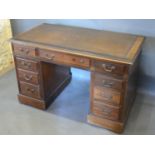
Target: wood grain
103	45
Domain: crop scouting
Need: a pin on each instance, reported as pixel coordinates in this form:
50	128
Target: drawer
28	76
106	67
50	55
77	61
108	95
30	90
108	82
64	58
112	113
27	64
23	50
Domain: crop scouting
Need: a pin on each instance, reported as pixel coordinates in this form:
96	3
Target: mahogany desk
43	57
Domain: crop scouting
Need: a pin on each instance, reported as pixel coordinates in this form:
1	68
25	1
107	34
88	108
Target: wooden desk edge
136	48
129	61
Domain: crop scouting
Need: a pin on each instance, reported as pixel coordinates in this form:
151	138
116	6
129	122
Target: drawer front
109	68
50	55
77	61
30	90
108	82
64	58
108	95
23	50
27	76
27	64
106	111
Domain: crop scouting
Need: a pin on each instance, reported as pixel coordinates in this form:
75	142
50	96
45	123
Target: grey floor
67	114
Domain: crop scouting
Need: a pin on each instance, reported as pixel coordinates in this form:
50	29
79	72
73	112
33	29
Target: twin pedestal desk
43	57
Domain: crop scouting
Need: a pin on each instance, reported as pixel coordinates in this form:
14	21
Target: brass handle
107	84
81	61
50	57
108	68
107	97
24	50
23	63
30	90
26	77
21	49
28	65
107	111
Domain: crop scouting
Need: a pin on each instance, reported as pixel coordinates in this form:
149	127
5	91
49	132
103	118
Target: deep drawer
27	64
101	110
28	76
30	90
108	95
108	82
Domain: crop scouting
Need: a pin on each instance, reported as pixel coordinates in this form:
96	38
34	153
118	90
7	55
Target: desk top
92	43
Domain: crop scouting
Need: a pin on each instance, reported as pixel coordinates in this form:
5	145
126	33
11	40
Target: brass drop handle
21	49
50	57
81	61
109	97
26	77
24	50
107	84
108	68
28	65
30	90
107	111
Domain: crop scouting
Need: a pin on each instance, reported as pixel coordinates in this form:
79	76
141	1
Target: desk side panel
54	79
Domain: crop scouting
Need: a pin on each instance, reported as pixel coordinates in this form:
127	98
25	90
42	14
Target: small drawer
30	90
112	113
108	95
106	67
77	61
63	58
50	55
108	82
27	64
23	50
27	76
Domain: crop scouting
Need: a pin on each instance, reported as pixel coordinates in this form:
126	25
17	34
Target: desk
43	57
